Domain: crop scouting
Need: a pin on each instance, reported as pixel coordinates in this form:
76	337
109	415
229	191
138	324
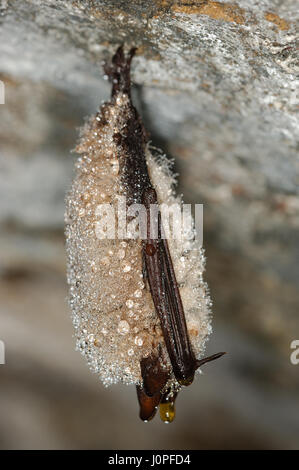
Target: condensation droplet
138	341
115	167
105	261
121	254
90	338
123	327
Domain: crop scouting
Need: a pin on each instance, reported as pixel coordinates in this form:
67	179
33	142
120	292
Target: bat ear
118	70
148	405
200	362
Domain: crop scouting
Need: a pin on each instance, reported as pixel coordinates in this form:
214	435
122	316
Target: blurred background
216	86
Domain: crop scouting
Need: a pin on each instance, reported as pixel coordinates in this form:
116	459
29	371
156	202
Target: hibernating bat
140	307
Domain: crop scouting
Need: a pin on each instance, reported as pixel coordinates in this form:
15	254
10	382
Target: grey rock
217	86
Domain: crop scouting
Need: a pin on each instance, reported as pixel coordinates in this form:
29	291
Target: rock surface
217	86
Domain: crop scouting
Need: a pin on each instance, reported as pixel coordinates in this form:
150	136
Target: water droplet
121	254
123	327
167	412
138	341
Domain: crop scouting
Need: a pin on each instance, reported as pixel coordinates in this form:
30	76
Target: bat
166	354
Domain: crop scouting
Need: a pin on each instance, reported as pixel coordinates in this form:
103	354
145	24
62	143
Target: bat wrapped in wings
140	307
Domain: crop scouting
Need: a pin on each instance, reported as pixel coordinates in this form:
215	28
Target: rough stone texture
216	84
